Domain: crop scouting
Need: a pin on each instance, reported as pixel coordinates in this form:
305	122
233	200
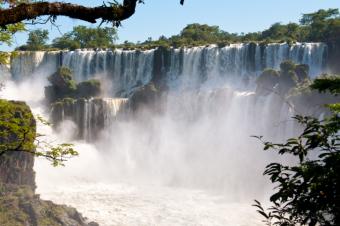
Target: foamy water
175	174
129	205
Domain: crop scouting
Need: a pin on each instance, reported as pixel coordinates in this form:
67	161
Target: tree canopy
320	26
84	37
37	40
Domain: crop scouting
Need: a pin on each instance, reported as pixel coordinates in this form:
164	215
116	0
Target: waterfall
91	116
25	64
124	70
189	161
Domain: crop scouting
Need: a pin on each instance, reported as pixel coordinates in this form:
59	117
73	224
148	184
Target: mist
189	159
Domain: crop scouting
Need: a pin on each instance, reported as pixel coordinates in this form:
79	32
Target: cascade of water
25	64
127	70
198	145
91	116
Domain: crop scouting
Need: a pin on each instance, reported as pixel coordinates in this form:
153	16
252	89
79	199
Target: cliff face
17	169
89	115
19	205
17	129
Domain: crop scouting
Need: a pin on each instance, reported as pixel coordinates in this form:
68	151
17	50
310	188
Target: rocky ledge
19	204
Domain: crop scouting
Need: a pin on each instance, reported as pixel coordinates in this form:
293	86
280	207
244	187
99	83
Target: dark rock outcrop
19	205
89	115
17	128
64	86
147	97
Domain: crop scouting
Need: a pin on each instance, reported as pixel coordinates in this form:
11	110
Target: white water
195	164
165	171
123	70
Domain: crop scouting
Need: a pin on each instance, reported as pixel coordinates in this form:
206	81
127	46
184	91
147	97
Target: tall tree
84	37
37	39
320	22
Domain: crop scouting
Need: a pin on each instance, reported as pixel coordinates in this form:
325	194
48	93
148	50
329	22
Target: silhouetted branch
30	11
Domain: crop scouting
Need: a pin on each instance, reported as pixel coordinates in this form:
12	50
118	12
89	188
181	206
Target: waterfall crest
126	70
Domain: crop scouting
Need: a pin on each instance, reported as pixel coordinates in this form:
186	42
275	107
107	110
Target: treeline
79	37
320	26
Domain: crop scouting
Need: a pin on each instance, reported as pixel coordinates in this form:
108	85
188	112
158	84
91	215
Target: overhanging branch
113	13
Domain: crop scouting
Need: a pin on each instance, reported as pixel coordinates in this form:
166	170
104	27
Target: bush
307	193
266	81
88	89
302	71
287	66
63	86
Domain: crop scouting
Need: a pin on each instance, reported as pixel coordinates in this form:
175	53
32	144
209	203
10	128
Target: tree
66	42
308	193
64	87
196	32
84	37
320	23
18	134
6	35
37	40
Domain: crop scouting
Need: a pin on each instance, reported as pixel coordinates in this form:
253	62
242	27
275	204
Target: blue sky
168	17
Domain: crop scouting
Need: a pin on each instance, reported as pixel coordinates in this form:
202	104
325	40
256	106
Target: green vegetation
308	193
7	32
320	26
37	40
267	81
80	37
6	35
289	76
89	88
18	134
63	86
329	83
19	205
323	25
84	37
17	127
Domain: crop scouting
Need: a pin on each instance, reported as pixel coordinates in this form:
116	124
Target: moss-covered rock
289	77
17	134
89	115
287	66
145	96
302	71
266	81
19	206
89	88
63	86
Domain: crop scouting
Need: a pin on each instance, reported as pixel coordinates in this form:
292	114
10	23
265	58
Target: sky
168	17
